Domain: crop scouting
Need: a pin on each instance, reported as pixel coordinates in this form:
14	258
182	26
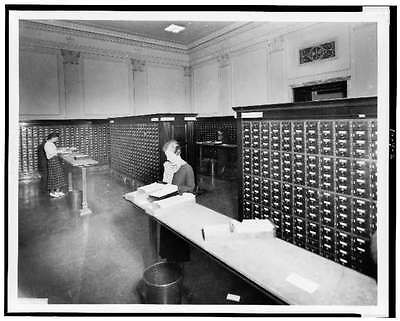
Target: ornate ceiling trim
114	33
98	34
33	43
204	44
71	28
233	46
229	30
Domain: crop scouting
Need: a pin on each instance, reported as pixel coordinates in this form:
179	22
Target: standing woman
42	164
55	172
180	173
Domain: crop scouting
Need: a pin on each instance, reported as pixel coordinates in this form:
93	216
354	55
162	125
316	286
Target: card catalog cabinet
89	137
136	144
206	129
311	168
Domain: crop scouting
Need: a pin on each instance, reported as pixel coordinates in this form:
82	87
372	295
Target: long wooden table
281	270
82	164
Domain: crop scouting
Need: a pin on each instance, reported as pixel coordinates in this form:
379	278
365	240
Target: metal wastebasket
163	283
75	198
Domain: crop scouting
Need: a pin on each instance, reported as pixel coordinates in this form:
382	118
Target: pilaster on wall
72	82
363	60
188	74
225	84
277	84
140	94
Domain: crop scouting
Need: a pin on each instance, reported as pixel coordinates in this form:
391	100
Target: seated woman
180	173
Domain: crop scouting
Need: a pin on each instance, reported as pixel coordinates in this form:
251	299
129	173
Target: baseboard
34	176
126	179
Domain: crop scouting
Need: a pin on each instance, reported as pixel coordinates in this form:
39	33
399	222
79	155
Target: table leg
154	239
70	188
85	209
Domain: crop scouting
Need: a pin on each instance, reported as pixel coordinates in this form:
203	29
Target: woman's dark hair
177	147
52	135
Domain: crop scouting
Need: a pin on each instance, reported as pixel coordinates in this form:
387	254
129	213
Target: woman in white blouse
55	180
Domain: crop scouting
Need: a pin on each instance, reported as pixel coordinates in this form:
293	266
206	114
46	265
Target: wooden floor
100	258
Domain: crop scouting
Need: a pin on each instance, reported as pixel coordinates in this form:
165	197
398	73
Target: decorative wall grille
319	52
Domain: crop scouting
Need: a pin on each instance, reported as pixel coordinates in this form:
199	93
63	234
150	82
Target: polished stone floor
100	258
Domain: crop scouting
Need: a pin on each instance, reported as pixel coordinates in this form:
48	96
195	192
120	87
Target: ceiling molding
224	31
32	43
234	39
61	27
113	33
84	30
249	26
259	36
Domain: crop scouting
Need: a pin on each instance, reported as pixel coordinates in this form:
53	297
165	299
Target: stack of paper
172	201
159	190
137	197
253	228
150	188
216	232
80	156
239	230
65	150
165	190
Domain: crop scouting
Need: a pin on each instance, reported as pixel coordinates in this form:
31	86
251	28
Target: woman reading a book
180	173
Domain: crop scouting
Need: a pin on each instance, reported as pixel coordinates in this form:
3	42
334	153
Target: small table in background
83	164
213	145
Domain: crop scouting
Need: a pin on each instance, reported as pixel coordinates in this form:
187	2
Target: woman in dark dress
55	171
180	173
42	166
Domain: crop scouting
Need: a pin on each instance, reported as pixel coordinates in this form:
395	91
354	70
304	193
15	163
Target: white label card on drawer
302	283
233	297
253	114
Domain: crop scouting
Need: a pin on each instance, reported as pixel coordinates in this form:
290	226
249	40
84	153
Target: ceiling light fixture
174	28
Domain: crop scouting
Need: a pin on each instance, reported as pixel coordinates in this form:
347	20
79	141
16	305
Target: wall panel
364	61
205	89
39	77
106	87
166	90
249	78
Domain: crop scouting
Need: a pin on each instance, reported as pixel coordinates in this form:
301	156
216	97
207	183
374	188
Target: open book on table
159	190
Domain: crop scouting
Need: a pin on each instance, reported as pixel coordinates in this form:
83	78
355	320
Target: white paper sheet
233	297
158	190
165	189
302	283
218	231
252	226
174	200
150	188
137	197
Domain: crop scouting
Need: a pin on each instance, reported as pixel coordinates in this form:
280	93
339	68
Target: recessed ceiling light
174	28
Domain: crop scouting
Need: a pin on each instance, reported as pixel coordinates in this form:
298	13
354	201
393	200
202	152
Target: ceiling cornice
67	28
224	31
254	35
30	43
231	39
83	30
